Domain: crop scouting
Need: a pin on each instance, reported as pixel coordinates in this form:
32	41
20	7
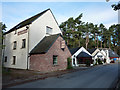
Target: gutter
28	47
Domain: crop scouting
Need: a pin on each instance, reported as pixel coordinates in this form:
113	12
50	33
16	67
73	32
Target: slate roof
44	45
83	54
27	21
74	50
91	50
112	53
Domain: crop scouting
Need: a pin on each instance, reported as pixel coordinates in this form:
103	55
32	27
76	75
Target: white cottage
97	54
110	54
21	39
77	53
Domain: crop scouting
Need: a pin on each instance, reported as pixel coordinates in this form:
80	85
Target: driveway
103	76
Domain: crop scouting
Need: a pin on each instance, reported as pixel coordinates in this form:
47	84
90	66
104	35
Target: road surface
103	76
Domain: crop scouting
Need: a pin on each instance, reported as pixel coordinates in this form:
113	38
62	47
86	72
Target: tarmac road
103	76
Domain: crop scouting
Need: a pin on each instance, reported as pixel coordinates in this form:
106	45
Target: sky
94	12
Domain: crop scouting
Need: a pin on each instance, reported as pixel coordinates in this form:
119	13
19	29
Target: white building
75	52
97	54
21	39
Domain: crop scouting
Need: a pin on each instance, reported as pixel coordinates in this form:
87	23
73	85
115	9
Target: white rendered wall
99	54
38	28
20	53
105	52
37	31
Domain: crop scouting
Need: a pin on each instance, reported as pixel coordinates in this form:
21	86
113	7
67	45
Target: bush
69	65
99	61
87	62
96	62
6	70
104	60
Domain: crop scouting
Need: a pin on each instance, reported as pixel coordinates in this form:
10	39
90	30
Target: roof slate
27	21
44	45
112	53
91	50
74	50
83	54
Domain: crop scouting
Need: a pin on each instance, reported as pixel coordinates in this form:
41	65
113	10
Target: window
55	59
14	60
14	45
23	43
48	30
5	59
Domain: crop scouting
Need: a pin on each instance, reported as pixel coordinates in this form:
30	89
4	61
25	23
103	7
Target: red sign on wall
22	32
63	44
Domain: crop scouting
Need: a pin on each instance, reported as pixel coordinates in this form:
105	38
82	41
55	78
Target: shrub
69	65
99	61
104	60
96	62
6	70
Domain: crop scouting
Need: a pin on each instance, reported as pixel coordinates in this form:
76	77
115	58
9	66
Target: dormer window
48	30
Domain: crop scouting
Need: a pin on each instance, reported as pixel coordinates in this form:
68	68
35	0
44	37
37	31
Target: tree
72	31
116	6
2	30
101	29
94	31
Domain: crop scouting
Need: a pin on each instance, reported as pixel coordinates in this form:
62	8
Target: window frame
14	60
55	57
49	32
5	60
23	43
14	45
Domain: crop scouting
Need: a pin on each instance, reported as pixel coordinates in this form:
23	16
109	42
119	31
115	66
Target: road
103	76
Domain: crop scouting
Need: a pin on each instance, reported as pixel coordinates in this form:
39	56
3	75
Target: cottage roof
83	54
112	53
44	45
91	50
27	21
74	50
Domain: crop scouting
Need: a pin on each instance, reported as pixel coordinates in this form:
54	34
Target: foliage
104	60
87	62
99	61
2	30
69	65
116	6
6	70
96	61
77	33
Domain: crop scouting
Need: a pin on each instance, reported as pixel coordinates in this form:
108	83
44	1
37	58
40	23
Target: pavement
17	77
102	76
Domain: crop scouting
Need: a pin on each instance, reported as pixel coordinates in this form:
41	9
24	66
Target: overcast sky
95	12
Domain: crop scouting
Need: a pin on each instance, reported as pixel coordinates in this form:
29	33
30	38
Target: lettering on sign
22	32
